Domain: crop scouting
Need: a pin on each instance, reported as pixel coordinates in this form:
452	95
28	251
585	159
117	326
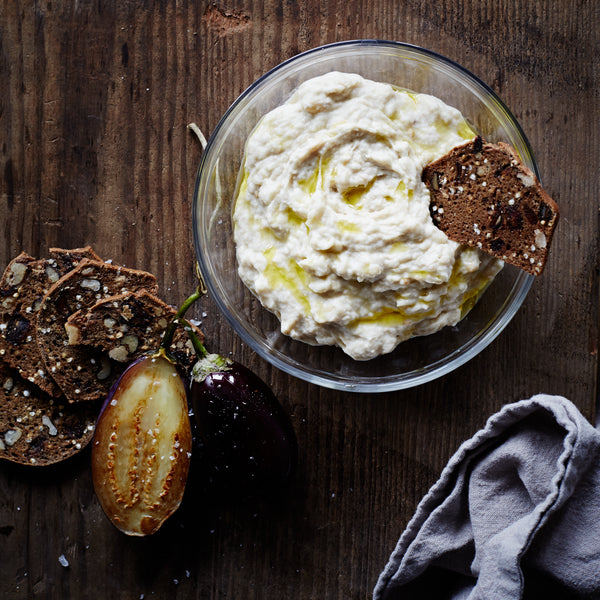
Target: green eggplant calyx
211	363
163	353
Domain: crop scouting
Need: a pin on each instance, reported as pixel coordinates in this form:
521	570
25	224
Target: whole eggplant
247	438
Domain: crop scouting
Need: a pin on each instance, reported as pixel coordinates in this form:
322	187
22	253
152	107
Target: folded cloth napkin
515	514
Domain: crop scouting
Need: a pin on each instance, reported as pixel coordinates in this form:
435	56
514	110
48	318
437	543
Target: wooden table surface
94	102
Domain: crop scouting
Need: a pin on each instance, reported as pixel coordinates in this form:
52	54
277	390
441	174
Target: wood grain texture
94	103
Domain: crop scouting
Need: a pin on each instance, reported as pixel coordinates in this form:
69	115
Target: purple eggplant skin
246	436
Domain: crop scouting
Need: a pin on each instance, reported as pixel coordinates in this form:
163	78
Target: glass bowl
415	361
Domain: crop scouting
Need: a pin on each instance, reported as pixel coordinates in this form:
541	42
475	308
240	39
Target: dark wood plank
94	103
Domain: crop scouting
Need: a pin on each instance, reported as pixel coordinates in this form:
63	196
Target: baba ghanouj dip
332	226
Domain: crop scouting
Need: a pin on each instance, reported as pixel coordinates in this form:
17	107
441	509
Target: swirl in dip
331	222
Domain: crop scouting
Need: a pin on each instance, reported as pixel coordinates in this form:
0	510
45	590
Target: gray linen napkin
515	514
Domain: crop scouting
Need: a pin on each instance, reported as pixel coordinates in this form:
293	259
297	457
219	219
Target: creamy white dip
331	222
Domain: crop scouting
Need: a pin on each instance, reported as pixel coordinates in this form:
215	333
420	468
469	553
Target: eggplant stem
198	132
167	338
199	348
209	364
206	363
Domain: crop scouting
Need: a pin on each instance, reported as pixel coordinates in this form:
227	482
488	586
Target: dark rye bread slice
22	288
83	373
482	195
36	429
128	326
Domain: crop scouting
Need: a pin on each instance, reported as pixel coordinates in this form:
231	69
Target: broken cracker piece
482	195
22	288
130	325
83	373
36	429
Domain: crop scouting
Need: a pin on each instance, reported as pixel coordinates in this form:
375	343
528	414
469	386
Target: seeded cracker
23	285
66	260
83	373
129	325
38	430
482	195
